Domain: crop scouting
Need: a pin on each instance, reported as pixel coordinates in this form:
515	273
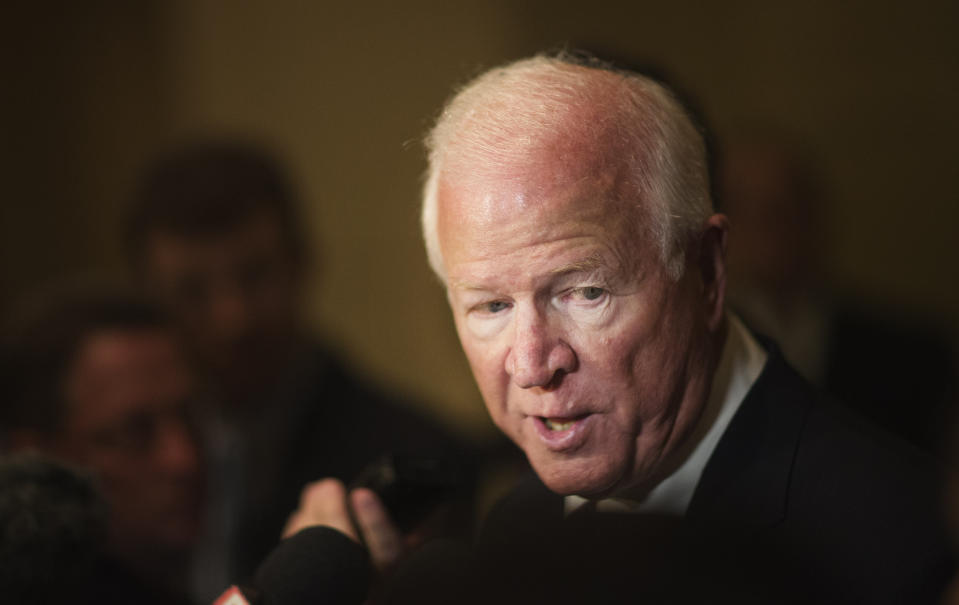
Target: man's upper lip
555	407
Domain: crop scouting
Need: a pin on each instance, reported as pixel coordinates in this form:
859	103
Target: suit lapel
746	481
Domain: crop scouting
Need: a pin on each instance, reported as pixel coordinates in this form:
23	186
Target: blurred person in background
99	381
875	358
214	235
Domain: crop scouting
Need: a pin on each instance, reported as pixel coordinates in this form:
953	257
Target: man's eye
495	307
591	292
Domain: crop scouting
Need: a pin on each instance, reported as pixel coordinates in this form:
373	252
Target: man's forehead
126	353
116	369
581	229
538	193
168	249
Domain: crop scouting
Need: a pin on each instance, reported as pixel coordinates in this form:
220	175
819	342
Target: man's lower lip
565	434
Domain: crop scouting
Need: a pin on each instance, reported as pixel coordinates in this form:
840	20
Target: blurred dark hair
40	342
52	529
207	189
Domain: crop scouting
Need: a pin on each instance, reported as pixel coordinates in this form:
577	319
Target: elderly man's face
588	356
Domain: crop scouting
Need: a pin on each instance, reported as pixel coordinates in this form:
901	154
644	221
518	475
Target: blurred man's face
127	418
235	294
587	355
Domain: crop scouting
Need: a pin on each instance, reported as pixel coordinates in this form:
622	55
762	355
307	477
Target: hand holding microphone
322	558
326	503
335	534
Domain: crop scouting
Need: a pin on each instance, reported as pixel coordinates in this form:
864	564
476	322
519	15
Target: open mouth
563	433
558	425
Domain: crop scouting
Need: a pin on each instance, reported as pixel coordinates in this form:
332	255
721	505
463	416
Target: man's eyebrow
459	284
588	264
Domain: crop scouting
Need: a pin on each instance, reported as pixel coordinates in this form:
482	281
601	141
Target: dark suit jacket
801	501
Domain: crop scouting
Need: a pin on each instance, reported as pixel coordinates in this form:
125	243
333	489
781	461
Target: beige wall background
344	92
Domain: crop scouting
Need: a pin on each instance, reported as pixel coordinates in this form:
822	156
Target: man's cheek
486	363
501	421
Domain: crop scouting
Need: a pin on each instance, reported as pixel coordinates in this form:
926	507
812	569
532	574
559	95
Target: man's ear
712	268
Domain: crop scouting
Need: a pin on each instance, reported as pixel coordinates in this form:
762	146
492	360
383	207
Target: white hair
505	114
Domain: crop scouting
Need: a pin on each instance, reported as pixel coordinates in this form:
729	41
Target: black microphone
316	565
321	565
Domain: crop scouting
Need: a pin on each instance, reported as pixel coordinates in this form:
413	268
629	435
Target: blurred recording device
53	525
412	487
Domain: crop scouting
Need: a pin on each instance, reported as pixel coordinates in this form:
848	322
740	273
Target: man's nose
539	357
177	449
230	312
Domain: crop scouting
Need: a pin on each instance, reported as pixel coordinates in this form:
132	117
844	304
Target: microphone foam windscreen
315	565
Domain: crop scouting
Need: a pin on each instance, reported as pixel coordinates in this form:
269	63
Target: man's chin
566	479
